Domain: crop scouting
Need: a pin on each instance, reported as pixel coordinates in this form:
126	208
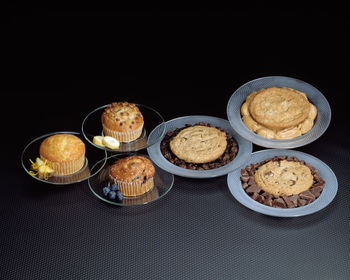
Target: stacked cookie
278	113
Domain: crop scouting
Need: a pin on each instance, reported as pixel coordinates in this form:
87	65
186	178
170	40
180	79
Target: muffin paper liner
123	136
65	168
133	188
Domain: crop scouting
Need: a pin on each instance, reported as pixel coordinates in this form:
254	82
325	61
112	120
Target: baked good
283	177
282	181
199	144
123	121
65	153
278	113
228	155
133	175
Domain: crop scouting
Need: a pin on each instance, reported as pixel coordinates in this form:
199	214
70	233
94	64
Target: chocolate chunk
260	199
279	202
206	167
253	188
251	181
267	195
268	201
288	202
302	202
254	196
319	184
307	195
316	191
294	199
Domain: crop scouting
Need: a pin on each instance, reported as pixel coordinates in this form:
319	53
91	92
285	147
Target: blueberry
114	187
119	195
112	195
106	190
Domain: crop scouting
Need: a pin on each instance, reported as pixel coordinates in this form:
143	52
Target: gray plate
243	155
315	96
326	197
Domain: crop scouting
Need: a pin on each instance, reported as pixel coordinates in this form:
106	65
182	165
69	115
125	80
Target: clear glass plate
314	95
326	197
163	182
93	157
92	126
243	155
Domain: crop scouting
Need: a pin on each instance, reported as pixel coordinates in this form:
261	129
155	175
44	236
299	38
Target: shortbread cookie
283	177
199	144
279	108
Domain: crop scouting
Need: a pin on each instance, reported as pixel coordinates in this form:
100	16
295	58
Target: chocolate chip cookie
280	186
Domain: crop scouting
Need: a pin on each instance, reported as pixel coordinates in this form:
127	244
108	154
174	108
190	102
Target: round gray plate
314	95
327	195
244	148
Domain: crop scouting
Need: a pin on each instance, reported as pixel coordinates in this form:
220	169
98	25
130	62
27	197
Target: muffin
123	121
278	113
133	175
282	182
65	153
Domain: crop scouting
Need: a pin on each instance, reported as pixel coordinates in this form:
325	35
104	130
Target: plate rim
242	197
275	143
188	173
59	183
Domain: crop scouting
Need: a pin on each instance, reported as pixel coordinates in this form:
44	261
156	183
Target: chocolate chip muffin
123	121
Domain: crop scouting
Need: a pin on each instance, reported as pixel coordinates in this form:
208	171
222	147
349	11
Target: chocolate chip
292	182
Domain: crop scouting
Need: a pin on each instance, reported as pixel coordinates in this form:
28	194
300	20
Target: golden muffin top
62	147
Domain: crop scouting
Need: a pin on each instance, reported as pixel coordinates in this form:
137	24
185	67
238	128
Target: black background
59	64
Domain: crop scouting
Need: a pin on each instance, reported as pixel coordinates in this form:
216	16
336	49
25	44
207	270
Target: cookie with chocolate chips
211	157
